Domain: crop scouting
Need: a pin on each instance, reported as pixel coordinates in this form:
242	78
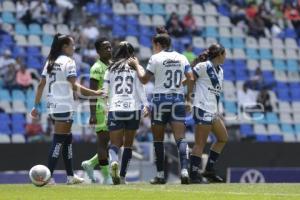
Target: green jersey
97	72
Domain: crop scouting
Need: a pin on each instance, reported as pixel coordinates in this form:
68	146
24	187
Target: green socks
105	170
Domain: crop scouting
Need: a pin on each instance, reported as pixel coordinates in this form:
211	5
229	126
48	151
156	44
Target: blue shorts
62	117
167	108
202	117
123	120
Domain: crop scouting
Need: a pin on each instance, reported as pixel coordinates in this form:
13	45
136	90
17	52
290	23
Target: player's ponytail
56	49
212	52
162	37
124	51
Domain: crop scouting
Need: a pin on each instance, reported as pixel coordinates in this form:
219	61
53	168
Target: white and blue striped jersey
125	91
59	93
168	68
209	86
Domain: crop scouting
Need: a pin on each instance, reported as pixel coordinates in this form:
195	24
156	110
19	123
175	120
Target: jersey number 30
173	78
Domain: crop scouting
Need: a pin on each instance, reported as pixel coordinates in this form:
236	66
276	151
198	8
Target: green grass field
146	191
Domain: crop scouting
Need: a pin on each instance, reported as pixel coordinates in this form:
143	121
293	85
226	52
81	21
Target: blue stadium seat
18	52
132	20
292	66
224	9
47	40
105	20
241	74
118	31
294	86
18	95
228	65
246	130
276	138
262	138
146	31
279	64
7	40
18	118
252	54
226	42
105	8
230	107
295	95
4	118
4	95
145	41
132	30
238	43
259	118
92	8
18	128
145	8
118	20
33	51
272	118
282	86
287	128
158	9
5	129
297	128
283	95
34	62
35	29
210	31
229	75
8	17
21	29
265	54
240	64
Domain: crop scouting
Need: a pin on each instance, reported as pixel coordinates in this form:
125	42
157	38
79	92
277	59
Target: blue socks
57	143
67	153
126	157
160	155
195	166
212	159
183	150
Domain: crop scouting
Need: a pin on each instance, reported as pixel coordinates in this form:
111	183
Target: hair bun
161	30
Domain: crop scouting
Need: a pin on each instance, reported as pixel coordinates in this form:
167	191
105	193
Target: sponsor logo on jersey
171	63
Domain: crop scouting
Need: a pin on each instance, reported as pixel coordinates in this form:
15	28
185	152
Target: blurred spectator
190	24
256	27
23	11
66	7
256	81
90	54
246	98
264	99
188	53
174	26
90	31
292	14
38	11
23	78
9	81
5	60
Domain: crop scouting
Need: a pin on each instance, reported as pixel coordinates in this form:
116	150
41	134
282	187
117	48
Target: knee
223	139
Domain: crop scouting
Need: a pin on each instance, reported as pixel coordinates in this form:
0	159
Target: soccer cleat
51	181
107	181
89	170
71	180
198	180
115	172
123	181
184	176
212	177
157	181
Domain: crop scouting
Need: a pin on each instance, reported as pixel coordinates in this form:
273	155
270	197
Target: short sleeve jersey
209	86
125	91
168	68
59	92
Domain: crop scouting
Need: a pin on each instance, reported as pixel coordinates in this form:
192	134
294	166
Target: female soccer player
59	74
126	96
168	68
208	87
98	113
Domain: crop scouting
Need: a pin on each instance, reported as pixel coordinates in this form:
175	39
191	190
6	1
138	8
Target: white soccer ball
39	175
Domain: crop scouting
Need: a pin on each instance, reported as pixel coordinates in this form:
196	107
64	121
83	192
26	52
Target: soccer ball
39	175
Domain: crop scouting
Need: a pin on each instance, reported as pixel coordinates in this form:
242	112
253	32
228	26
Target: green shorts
101	117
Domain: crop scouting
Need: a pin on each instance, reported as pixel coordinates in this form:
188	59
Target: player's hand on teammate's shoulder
133	62
146	111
